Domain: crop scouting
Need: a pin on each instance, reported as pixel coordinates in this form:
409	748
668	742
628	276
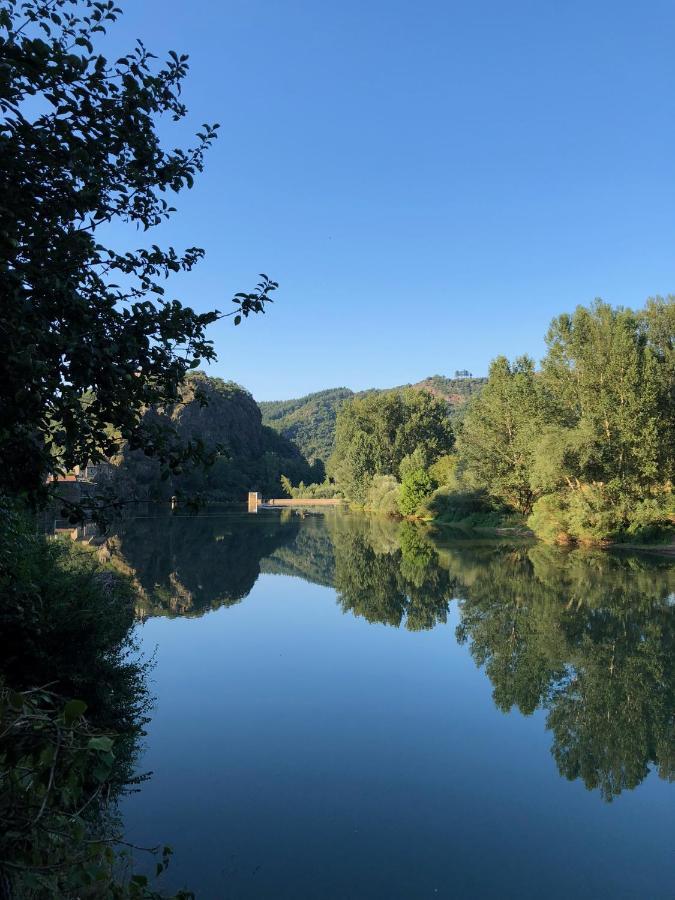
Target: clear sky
430	182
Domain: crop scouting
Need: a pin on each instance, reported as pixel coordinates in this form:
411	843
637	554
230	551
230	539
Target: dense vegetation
66	651
583	449
307	421
586	446
456	391
394	433
89	339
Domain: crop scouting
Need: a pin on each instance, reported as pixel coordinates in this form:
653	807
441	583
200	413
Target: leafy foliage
66	622
499	432
66	626
376	432
89	338
456	391
59	839
310	421
586	445
317	490
416	482
383	495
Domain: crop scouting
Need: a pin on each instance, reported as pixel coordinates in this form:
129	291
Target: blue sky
430	182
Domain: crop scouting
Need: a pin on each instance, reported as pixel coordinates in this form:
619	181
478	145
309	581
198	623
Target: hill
455	390
249	455
307	421
310	421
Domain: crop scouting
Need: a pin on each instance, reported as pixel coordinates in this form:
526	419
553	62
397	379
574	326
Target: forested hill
307	421
226	420
310	421
455	390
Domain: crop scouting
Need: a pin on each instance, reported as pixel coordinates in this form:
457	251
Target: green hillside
310	421
307	421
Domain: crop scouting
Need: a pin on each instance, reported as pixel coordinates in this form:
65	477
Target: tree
89	337
499	432
605	459
602	380
375	433
585	446
417	482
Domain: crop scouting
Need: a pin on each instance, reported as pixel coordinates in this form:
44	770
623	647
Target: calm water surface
352	708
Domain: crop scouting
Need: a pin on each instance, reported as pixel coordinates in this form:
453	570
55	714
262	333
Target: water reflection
187	565
589	637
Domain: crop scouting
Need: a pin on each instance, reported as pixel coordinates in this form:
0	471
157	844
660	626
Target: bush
58	835
416	486
382	496
444	470
467	508
597	513
66	623
549	519
586	515
652	519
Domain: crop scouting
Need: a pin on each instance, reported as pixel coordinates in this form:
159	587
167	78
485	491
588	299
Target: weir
255	502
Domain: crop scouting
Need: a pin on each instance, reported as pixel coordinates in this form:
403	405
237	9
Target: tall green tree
500	430
605	461
603	379
376	432
89	337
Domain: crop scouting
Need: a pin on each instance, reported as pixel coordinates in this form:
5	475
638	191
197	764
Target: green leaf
73	710
100	743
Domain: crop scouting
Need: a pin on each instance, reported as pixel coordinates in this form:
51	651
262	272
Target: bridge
256	502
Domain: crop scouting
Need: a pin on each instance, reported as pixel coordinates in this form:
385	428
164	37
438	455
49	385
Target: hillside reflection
586	636
189	565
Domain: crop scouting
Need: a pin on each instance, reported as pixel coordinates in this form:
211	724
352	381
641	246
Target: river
348	707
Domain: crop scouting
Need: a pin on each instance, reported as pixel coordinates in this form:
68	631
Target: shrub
382	496
325	490
66	622
416	486
444	470
549	519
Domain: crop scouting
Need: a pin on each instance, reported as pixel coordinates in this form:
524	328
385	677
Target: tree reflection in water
587	636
